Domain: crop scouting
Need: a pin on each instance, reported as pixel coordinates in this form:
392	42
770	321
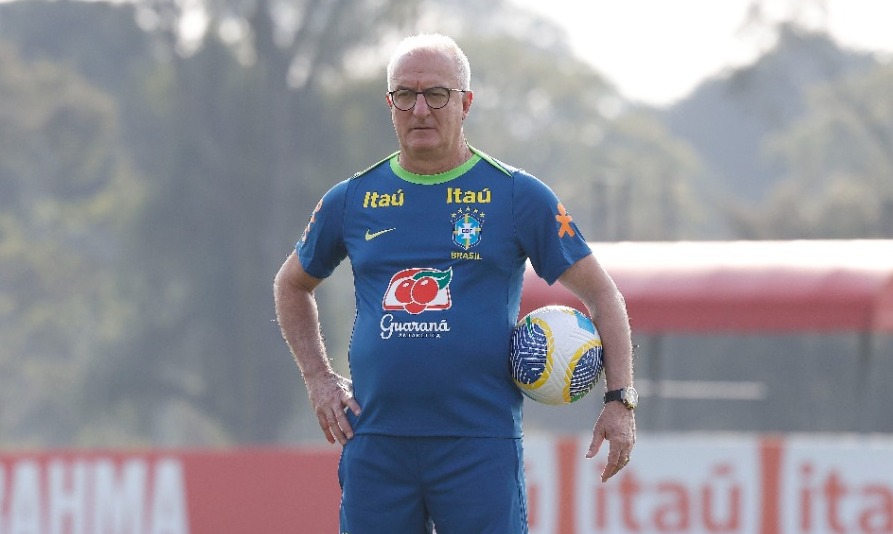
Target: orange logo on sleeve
565	219
311	221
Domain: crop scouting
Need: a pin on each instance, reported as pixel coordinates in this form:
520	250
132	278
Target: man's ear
467	98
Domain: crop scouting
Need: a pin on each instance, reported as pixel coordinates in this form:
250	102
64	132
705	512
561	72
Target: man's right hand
330	395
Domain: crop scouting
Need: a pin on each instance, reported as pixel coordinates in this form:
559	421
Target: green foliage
66	197
652	197
239	150
839	159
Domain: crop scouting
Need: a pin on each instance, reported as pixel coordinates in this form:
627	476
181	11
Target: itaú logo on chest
456	195
419	289
374	199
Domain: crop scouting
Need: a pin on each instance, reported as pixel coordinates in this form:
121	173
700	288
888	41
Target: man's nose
421	105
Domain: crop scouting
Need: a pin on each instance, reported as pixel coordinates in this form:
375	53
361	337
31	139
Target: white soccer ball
556	355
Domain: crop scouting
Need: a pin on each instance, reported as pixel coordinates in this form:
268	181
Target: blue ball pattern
586	372
530	360
535	356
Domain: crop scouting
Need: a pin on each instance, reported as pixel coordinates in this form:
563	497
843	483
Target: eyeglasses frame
417	93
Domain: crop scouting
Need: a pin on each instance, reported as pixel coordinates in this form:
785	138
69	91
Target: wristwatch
628	396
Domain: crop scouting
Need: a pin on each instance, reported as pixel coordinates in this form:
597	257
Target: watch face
630	397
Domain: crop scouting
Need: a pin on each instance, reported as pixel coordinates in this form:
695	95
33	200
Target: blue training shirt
438	263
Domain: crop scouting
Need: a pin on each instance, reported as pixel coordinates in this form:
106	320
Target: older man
438	235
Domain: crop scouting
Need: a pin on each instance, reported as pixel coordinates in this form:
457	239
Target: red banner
169	492
680	484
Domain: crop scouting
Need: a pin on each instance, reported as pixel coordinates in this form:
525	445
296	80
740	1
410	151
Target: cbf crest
468	227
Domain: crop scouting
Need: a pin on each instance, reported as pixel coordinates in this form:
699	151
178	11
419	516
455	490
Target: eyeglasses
435	97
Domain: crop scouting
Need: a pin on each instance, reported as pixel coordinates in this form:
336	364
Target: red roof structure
743	286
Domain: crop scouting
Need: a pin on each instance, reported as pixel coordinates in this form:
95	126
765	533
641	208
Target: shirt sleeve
545	228
321	248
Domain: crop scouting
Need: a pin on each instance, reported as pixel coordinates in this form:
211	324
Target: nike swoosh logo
370	235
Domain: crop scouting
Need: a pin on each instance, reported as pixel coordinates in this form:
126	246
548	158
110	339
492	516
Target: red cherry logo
414	307
424	290
416	290
403	292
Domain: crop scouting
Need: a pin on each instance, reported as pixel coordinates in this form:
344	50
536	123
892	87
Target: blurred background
160	158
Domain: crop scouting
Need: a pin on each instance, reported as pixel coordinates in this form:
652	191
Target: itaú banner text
705	484
679	484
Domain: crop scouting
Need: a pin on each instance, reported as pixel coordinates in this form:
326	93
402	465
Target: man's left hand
617	425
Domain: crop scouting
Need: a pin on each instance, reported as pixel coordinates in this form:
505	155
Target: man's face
424	132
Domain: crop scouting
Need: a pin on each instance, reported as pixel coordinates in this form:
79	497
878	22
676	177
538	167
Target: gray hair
432	42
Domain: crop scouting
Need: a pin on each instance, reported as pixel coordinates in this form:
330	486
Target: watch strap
615	395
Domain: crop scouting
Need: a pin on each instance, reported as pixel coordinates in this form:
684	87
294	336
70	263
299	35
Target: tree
728	118
248	151
67	195
838	159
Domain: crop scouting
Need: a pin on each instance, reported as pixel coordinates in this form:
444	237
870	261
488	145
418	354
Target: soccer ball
556	355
